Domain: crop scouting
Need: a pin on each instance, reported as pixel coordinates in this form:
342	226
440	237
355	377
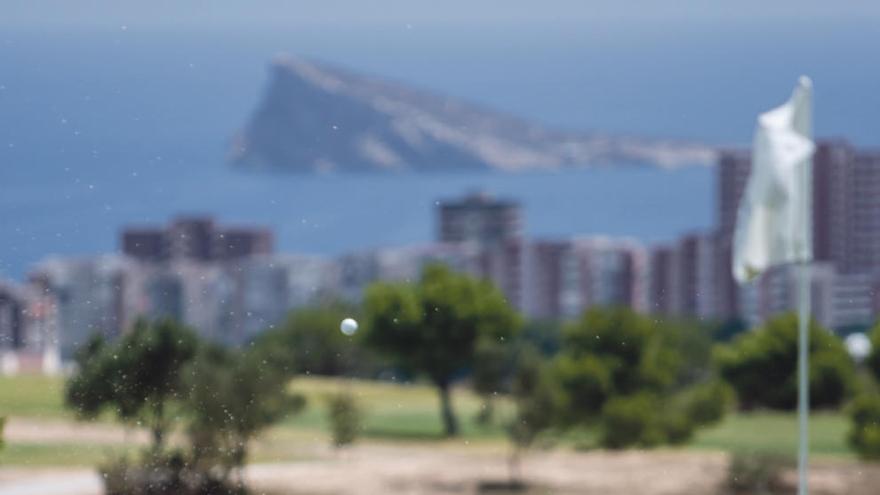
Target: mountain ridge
315	117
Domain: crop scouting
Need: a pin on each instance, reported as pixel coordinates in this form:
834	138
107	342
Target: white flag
774	222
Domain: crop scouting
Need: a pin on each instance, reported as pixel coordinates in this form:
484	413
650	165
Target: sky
227	13
104	92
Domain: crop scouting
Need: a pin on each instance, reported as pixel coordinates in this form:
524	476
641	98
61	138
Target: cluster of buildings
230	284
691	275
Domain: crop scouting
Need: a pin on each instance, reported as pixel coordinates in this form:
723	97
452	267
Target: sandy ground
422	470
435	469
425	470
25	430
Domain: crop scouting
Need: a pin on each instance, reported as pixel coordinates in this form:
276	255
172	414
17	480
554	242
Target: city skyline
231	283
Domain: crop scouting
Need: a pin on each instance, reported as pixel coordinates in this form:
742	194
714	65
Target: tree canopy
436	325
761	365
641	381
135	377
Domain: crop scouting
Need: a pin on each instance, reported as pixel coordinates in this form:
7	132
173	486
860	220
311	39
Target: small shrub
706	404
864	435
492	364
629	421
166	474
758	474
644	420
532	391
677	428
345	418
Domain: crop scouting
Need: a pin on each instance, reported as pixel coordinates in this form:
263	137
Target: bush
705	404
534	398
634	377
630	421
163	475
644	420
233	396
872	362
162	374
677	427
492	364
759	474
345	418
864	435
137	377
585	383
762	366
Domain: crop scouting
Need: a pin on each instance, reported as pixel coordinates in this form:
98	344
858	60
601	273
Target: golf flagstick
803	376
774	224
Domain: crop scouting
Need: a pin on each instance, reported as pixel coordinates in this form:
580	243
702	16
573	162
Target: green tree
726	330
610	352
864	434
434	326
137	377
864	411
872	362
762	366
639	380
231	397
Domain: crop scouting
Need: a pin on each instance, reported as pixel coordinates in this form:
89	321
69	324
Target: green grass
396	413
66	454
400	412
776	433
32	396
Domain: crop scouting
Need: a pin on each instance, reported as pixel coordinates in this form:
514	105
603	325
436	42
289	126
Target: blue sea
103	127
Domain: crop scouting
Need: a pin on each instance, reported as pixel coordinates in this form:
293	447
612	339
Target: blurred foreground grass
32	396
393	413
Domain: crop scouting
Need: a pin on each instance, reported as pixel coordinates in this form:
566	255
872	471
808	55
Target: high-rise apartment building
731	176
610	272
492	229
846	236
846	203
683	278
195	239
479	218
89	294
549	280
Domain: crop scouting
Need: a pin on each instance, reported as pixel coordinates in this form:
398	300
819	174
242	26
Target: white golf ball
858	345
348	326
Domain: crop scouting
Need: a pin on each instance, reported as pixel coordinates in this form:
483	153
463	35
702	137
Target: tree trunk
158	427
450	423
514	472
158	438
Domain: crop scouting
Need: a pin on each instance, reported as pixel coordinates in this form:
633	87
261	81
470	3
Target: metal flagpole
778	196
803	124
803	380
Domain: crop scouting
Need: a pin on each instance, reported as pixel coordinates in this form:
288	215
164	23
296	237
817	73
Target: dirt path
432	469
24	430
14	481
374	470
423	470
